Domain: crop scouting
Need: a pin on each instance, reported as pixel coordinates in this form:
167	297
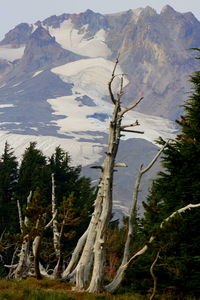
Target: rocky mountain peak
95	21
17	36
41	50
42	37
148	12
167	9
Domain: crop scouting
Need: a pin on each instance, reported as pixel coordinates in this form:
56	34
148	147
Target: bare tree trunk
106	191
75	256
22	266
116	282
94	247
86	258
36	248
56	234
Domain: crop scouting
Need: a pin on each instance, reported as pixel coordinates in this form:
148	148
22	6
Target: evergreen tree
8	181
176	186
65	175
32	173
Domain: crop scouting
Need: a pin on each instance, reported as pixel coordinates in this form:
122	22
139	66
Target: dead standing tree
21	269
91	247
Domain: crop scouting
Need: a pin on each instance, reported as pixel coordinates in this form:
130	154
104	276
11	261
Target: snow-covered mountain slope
76	40
80	119
90	78
54	83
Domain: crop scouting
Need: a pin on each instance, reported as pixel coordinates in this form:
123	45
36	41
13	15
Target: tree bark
22	266
116	282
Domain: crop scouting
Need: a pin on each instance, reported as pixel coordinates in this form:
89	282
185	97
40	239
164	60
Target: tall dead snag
56	233
116	282
22	268
40	227
92	256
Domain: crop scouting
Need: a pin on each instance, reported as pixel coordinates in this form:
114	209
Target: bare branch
120	165
97	167
53	218
120	93
111	81
12	266
125	110
132	131
143	249
154	159
153	275
179	211
28	201
130	125
21	223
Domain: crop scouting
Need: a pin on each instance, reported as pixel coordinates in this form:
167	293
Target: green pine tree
32	173
8	181
176	186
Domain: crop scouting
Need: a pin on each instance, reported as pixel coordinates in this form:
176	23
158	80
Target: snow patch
11	54
17	84
81	153
37	73
76	41
6	105
90	78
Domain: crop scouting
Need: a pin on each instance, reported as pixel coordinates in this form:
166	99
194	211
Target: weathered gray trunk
96	284
94	248
84	265
36	251
116	282
22	266
75	256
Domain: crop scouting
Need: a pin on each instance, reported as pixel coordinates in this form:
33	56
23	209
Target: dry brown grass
32	289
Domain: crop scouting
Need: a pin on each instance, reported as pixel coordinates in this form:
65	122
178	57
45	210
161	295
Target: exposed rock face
18	36
5	67
42	50
95	21
154	53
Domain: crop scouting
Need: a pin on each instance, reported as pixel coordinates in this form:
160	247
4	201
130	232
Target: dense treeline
74	194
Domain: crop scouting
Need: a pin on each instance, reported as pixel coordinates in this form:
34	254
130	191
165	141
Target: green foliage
74	199
8	180
176	186
32	172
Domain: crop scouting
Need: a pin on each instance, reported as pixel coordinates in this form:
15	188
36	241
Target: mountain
54	76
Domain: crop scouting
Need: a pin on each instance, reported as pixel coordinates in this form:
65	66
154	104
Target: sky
13	12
